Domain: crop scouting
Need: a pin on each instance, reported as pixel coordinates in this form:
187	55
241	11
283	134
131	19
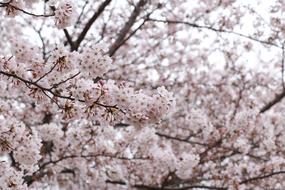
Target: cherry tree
142	94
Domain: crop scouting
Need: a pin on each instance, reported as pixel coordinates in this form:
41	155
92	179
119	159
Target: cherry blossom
142	94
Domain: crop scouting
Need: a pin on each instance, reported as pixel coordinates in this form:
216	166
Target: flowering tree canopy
142	94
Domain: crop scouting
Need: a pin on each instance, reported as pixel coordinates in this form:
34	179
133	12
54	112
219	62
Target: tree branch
89	24
9	6
216	30
277	99
261	177
126	28
146	187
179	139
69	39
55	93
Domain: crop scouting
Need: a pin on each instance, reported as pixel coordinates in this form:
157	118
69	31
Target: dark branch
69	39
45	90
266	42
277	99
126	28
90	23
183	187
11	7
179	139
262	177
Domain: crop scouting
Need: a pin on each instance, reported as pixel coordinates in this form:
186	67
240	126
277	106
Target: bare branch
262	177
90	23
277	99
265	42
69	39
178	187
126	28
282	66
9	6
179	139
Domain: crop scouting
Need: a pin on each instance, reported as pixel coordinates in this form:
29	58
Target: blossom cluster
160	114
63	11
23	146
72	76
10	178
14	7
65	14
